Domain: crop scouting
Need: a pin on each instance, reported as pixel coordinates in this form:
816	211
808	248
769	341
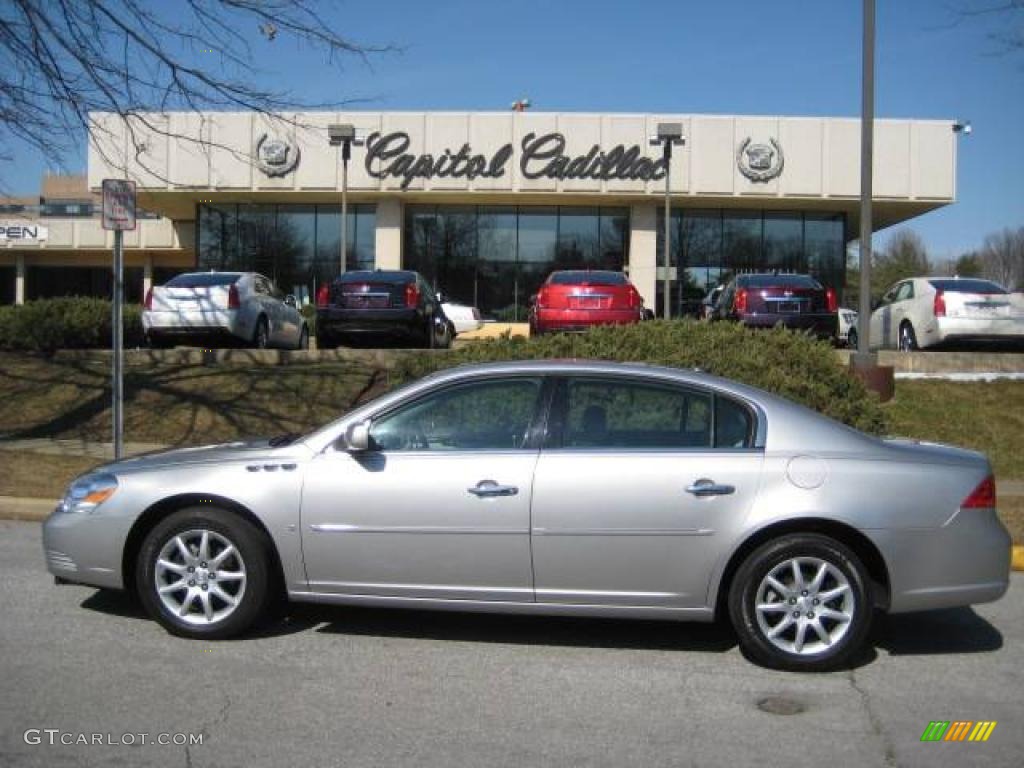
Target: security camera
339	133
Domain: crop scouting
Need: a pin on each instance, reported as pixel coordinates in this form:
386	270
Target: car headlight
87	492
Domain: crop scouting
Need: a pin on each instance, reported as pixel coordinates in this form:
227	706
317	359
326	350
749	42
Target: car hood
247	450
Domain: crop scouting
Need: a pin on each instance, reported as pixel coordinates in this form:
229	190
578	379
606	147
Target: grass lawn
196	404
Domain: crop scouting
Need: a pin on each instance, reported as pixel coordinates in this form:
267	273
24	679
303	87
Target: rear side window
583	277
734	424
619	414
203	280
967	286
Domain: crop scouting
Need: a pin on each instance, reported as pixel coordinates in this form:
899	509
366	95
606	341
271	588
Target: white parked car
921	312
847	335
241	307
464	319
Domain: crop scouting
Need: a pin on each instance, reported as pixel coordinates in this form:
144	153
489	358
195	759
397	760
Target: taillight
233	301
939	305
149	299
832	300
634	298
982	497
412	295
542	298
323	295
739	304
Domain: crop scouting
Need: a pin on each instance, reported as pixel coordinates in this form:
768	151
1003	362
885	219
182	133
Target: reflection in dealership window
493	415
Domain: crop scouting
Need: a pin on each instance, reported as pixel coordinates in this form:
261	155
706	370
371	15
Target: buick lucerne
565	488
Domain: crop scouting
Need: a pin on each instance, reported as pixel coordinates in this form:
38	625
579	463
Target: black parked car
796	301
398	305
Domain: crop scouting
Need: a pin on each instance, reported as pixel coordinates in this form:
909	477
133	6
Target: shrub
781	361
48	325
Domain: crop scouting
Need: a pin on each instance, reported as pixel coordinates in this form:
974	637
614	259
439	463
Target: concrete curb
37	510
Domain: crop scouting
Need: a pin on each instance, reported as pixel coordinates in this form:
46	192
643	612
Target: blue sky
785	57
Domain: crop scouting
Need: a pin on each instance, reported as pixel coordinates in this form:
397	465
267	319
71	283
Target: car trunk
370	295
190	299
981	305
587	297
786	300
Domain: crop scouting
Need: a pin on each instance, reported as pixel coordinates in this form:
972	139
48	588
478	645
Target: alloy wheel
804	605
200	576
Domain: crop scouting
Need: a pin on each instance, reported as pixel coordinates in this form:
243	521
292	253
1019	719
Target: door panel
406	524
619	528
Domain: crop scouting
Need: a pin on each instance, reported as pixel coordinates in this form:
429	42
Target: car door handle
487	489
705	487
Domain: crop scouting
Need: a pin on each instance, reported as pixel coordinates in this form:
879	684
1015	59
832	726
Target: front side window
482	416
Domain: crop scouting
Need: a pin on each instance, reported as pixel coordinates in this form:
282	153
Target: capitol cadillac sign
22	231
541	156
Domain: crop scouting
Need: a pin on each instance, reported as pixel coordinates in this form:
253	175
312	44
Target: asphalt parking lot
378	688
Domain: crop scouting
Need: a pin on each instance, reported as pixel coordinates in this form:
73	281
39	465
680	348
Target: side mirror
357	437
290	300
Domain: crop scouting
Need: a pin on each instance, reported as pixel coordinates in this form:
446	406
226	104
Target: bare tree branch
62	61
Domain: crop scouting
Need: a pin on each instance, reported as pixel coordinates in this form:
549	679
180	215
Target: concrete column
643	256
147	274
19	279
389	234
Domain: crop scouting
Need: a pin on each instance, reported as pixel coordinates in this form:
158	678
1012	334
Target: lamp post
343	135
668	135
867	130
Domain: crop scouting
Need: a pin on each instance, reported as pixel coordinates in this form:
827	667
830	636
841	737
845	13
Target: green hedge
784	362
48	325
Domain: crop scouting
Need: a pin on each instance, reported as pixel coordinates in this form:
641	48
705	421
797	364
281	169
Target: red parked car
574	300
796	301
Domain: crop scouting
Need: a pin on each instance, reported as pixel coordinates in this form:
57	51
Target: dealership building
483	204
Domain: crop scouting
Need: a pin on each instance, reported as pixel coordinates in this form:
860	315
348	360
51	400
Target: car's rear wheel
801	602
261	336
203	572
851	339
908	339
303	339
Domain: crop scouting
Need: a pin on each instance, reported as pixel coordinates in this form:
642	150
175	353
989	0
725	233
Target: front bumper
85	548
570	320
963	562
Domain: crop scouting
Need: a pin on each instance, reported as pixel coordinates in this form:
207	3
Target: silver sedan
560	488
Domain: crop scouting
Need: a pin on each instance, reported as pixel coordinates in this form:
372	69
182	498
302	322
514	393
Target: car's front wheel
203	572
908	339
801	602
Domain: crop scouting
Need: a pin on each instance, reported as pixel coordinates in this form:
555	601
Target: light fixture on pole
521	105
668	136
344	135
962	126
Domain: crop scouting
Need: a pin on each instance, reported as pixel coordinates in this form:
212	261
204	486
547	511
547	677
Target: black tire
155	342
430	336
253	560
851	339
907	341
261	336
303	339
856	600
326	342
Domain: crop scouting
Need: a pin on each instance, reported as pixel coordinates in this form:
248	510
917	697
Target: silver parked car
241	307
579	489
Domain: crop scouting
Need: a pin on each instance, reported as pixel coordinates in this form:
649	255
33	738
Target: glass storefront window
710	246
297	246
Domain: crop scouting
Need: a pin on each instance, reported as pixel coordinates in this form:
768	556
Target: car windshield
584	277
962	285
786	281
203	280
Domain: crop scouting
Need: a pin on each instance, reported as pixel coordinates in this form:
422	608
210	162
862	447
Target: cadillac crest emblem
275	157
760	162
